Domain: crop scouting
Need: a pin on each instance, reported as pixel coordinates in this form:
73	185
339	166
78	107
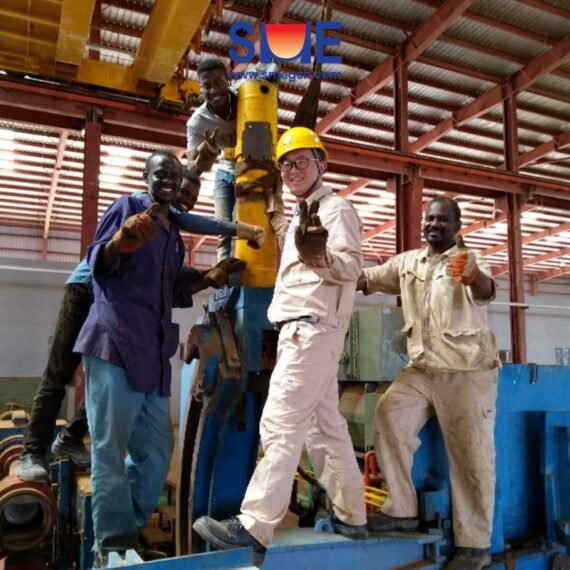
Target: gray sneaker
74	449
31	468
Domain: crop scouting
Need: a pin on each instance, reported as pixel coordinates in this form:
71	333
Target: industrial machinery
231	353
373	355
28	511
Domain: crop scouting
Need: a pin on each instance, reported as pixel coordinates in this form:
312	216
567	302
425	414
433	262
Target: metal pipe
27	510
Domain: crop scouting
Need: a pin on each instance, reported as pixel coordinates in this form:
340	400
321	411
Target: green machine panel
374	350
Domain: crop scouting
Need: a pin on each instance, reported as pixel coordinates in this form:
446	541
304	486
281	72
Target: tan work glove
255	235
310	235
136	230
362	283
274	198
463	264
207	151
219	275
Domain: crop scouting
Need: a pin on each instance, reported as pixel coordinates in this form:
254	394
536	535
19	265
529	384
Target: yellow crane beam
169	31
74	30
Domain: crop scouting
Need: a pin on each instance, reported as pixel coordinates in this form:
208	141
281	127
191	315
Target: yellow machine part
257	105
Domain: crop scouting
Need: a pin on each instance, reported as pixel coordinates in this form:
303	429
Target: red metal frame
535	70
53	189
92	160
445	16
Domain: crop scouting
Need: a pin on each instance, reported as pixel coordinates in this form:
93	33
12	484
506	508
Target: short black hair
165	152
190	174
453	203
211	64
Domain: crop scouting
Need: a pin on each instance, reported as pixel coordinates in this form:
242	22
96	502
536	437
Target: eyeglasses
300	164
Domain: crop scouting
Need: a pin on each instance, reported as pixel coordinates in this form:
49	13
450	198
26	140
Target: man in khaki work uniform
311	308
452	374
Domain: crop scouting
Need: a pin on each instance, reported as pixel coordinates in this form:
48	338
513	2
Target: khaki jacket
323	292
446	326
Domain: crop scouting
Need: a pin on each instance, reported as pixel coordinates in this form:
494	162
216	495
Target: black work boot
470	559
228	534
384	523
355	532
72	448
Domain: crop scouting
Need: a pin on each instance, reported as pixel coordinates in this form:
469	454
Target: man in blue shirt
126	342
62	361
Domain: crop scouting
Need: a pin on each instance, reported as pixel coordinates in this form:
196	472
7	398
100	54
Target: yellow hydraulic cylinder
255	167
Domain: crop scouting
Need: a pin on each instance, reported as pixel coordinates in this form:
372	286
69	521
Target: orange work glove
219	275
136	230
463	264
310	235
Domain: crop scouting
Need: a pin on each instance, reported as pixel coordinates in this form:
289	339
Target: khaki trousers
464	403
302	407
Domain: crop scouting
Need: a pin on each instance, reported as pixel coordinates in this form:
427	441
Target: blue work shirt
192	223
131	316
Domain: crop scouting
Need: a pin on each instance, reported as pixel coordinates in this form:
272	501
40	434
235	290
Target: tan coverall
453	374
302	405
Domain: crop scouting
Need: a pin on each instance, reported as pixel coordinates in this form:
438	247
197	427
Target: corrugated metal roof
487	36
524	17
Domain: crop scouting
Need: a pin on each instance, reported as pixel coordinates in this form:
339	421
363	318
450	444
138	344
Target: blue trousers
224	203
131	449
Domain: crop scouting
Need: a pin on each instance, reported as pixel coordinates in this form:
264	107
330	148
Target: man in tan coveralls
311	308
452	374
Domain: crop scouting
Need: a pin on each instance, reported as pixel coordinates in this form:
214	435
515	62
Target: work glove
310	235
219	275
136	230
463	263
207	151
274	198
255	235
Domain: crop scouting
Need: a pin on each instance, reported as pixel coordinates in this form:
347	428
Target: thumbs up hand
463	263
137	230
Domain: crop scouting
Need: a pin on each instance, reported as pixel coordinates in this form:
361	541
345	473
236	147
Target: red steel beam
354	187
92	156
382	161
500	269
516	289
544	275
536	236
522	80
556	143
197	242
400	94
53	189
408	214
445	16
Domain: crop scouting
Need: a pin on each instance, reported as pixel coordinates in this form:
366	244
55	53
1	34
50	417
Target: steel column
515	207
91	160
516	291
400	105
409	214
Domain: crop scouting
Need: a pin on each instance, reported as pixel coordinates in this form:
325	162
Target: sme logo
284	42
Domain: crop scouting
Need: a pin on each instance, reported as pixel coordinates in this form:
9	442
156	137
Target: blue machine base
304	549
